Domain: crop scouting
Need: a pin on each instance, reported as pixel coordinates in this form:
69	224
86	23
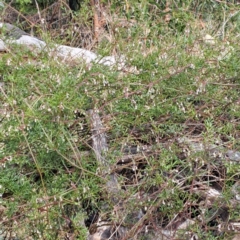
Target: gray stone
12	31
233	155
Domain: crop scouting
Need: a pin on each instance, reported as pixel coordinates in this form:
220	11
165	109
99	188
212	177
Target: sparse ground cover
171	116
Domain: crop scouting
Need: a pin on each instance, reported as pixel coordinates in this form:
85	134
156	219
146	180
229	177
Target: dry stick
95	4
100	148
39	14
99	137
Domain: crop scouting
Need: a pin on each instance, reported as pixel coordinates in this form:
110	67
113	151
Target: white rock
108	61
186	224
63	51
29	41
2	46
111	61
75	53
209	39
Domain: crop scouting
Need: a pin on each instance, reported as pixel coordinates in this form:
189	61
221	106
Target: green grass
180	88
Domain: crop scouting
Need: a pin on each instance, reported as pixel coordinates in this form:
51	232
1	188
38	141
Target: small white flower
42	20
61	106
192	66
134	168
